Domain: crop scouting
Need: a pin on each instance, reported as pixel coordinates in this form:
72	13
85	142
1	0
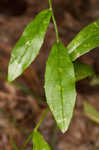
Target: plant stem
27	141
54	136
54	21
35	129
13	143
42	118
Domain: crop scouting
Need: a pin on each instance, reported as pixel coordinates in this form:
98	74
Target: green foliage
60	85
82	70
38	142
91	112
28	46
13	143
27	141
95	80
85	41
61	73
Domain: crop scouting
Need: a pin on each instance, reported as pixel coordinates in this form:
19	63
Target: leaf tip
63	126
9	79
14	71
64	130
11	76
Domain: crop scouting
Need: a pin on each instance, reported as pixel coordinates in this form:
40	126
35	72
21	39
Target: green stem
13	143
54	136
54	21
35	129
42	118
27	141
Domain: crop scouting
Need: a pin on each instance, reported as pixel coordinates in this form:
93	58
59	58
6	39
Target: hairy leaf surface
86	40
39	143
60	85
28	46
82	70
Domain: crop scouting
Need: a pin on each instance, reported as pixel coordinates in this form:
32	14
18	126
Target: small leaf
82	70
28	46
95	80
86	40
91	112
13	143
39	143
60	85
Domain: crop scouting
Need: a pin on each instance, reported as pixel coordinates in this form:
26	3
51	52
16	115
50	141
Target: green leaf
86	40
39	143
91	112
60	85
13	143
95	80
28	46
82	70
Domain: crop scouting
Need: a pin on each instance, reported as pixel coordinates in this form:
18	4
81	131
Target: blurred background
23	101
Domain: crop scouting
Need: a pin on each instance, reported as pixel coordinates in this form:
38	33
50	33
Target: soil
21	106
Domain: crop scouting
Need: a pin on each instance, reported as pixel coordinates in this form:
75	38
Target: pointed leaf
39	143
60	85
91	112
82	70
86	40
28	46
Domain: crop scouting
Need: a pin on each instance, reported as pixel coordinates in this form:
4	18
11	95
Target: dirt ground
22	105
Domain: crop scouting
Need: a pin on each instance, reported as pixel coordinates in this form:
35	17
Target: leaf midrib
59	76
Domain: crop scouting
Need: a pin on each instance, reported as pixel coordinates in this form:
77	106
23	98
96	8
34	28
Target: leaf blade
91	112
82	70
39	143
60	85
29	44
86	40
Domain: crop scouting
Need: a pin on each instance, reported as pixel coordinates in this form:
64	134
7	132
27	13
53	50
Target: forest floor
22	105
